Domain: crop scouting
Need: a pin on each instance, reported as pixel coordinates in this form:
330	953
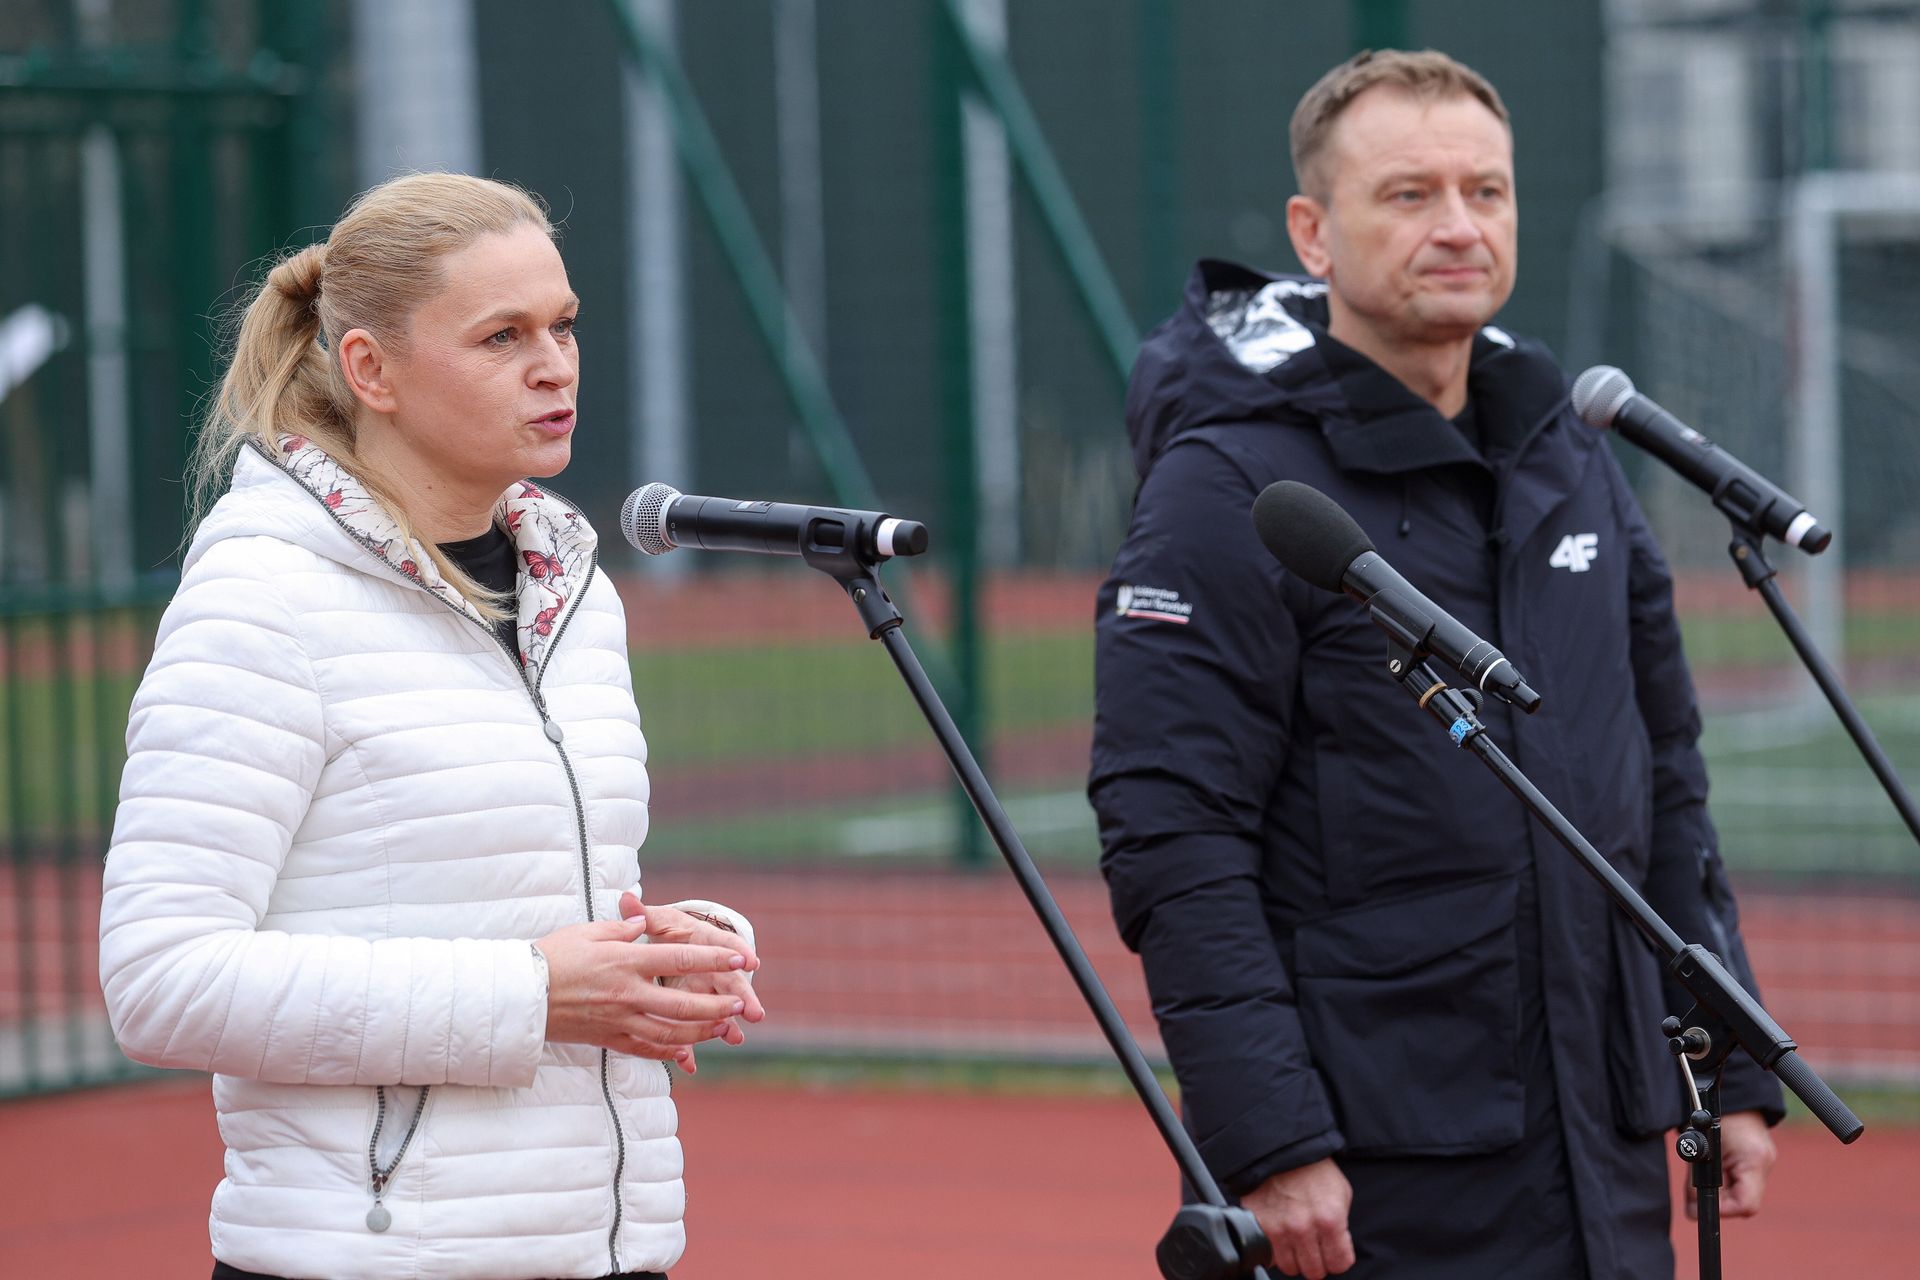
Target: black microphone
1319	543
1604	397
657	518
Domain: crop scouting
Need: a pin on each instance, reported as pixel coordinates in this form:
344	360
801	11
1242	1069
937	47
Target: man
1411	1033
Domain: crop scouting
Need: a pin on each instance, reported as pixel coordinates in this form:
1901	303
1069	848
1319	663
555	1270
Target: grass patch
1792	794
1055	826
1743	640
1877	1104
1880	1105
720	704
857	1073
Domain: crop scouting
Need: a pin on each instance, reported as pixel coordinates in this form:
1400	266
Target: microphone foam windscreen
1599	393
1309	533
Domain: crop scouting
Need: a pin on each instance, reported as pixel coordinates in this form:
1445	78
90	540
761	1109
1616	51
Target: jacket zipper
586	882
551	728
555	735
1503	478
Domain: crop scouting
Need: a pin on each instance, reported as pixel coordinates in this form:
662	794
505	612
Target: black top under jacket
490	561
1357	941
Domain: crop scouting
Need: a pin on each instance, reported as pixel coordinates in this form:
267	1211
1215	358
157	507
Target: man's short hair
1429	76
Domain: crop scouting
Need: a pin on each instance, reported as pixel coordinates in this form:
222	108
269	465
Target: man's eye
500	339
1407	196
565	328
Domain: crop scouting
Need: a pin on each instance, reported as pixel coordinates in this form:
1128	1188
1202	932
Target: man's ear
1307	228
365	363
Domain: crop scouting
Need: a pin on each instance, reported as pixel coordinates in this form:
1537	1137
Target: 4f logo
1575	552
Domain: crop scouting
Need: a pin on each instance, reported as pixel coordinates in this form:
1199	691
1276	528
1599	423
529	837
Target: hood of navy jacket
1247	346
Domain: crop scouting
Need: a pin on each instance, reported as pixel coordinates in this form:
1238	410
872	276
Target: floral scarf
555	545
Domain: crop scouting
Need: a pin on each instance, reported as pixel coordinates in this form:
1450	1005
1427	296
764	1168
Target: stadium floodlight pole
1723	1014
1211	1240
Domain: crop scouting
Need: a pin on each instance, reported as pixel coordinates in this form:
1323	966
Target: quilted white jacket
346	812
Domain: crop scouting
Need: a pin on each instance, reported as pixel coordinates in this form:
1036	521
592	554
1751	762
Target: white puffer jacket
346	812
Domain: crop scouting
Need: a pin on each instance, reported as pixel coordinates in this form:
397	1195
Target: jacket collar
555	545
1388	430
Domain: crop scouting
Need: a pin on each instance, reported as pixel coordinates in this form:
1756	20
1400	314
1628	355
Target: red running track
835	1185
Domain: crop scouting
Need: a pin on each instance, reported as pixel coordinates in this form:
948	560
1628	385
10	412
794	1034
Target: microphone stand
1750	559
1211	1240
1723	1014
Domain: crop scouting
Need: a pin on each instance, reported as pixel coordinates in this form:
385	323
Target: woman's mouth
558	423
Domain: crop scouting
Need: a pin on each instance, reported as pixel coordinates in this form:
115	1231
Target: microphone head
1309	533
1600	393
643	517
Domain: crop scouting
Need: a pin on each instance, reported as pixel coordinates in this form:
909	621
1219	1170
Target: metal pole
803	235
992	312
419	99
103	266
1815	447
989	72
661	431
195	286
958	383
1816	86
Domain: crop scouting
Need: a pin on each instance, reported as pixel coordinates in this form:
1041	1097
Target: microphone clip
1458	709
844	552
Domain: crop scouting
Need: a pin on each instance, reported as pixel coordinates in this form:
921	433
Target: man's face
1415	229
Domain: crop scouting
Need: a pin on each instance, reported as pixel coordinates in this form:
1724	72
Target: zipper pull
378	1219
548	725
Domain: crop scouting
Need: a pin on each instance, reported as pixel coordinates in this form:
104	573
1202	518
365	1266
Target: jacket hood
1247	345
303	496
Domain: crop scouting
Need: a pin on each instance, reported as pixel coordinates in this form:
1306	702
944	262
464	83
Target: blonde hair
1429	76
381	261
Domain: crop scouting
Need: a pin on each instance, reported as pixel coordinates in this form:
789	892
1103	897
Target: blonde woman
375	859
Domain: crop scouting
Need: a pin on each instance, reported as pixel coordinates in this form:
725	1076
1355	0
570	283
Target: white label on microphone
1155	604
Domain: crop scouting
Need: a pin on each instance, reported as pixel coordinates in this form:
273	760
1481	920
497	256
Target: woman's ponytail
281	379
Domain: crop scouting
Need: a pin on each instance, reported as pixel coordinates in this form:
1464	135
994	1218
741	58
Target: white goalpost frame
1815	206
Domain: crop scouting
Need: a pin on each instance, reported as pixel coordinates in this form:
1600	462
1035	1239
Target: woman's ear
367	368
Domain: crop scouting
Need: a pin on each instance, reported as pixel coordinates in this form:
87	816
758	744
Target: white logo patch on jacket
1576	552
1156	604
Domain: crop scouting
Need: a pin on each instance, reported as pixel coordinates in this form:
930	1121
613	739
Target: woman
386	781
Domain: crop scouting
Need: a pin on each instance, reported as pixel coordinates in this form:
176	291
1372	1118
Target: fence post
191	277
957	411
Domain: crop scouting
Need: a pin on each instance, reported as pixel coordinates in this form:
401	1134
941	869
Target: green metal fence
145	161
790	769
